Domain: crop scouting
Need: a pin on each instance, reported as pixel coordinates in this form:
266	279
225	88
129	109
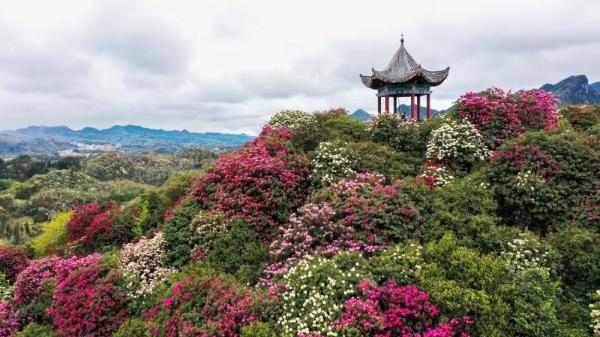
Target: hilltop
575	90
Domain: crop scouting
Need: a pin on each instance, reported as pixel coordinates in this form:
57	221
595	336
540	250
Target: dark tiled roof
403	69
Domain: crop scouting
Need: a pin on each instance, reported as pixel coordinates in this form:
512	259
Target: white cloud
227	65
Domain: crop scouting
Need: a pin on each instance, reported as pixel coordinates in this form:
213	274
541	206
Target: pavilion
404	77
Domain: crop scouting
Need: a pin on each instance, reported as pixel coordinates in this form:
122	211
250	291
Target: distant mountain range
362	115
575	90
53	140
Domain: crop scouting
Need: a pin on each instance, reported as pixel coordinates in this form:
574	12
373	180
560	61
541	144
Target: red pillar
378	104
387	104
395	105
419	107
412	106
428	106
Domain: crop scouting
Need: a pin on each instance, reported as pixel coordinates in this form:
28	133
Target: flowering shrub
259	184
317	288
525	252
28	286
400	134
331	162
595	313
581	117
313	231
500	116
456	144
293	120
96	225
207	226
6	290
437	175
587	215
13	260
9	321
402	263
392	310
86	302
378	213
208	306
142	265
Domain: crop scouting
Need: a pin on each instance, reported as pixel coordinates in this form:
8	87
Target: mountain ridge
574	89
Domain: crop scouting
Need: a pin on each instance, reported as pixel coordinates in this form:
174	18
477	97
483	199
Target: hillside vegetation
481	222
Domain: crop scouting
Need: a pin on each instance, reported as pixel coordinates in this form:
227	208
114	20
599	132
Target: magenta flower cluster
204	307
398	311
518	158
13	260
500	116
261	184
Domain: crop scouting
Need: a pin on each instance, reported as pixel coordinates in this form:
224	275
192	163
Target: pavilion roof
404	69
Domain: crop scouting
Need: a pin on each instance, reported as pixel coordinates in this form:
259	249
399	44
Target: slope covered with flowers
480	222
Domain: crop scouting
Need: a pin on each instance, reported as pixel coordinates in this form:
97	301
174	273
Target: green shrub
466	207
54	236
36	330
401	263
582	117
257	329
133	327
401	135
330	126
240	253
374	157
178	233
540	179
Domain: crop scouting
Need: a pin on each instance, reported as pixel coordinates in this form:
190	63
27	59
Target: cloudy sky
220	65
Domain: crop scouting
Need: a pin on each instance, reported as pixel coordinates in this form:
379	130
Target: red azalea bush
394	310
13	260
86	302
500	116
205	306
9	320
261	184
95	225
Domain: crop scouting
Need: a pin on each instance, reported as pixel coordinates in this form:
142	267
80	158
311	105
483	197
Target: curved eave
419	75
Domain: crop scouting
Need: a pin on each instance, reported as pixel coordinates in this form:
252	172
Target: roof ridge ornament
402	38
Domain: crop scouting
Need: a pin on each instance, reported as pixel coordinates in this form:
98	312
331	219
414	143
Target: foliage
400	263
261	184
438	175
393	310
373	157
457	145
36	330
583	117
132	327
13	260
317	288
54	236
240	253
332	125
400	134
595	313
178	231
500	116
257	329
330	163
205	306
540	179
525	252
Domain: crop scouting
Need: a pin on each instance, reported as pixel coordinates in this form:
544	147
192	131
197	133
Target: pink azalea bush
379	213
13	260
28	286
260	184
9	320
205	306
500	116
393	310
86	301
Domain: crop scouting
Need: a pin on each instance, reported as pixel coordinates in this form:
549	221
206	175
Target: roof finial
402	38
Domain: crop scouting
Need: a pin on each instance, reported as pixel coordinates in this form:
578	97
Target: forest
480	222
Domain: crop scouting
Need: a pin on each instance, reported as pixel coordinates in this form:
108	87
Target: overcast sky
206	65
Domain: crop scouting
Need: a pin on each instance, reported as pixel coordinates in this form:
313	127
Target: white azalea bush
6	289
457	144
208	225
142	266
525	252
317	289
595	314
331	162
439	175
292	119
